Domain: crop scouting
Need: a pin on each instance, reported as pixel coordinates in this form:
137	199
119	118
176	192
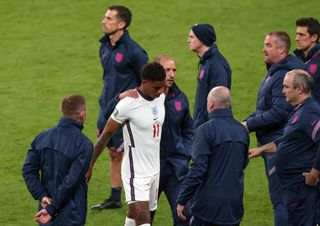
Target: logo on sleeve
178	105
313	68
119	57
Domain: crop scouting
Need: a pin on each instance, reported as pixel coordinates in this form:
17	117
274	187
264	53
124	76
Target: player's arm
71	181
267	148
31	174
111	127
310	124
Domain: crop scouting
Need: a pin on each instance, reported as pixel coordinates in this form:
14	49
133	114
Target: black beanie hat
205	33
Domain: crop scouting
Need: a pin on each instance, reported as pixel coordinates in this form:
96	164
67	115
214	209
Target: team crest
154	111
313	68
178	105
119	57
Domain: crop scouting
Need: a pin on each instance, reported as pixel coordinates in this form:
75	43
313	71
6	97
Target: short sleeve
121	112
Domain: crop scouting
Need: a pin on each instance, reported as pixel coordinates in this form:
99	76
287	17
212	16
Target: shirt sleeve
72	180
201	152
187	128
276	115
139	59
121	113
218	76
311	125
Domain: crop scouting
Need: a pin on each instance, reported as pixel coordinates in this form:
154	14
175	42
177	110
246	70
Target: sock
152	213
116	194
145	224
129	222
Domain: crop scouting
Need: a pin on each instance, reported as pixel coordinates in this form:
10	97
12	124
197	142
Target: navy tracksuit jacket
216	176
312	62
121	64
272	109
214	71
55	167
175	147
297	152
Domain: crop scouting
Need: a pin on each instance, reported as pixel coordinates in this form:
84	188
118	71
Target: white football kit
142	121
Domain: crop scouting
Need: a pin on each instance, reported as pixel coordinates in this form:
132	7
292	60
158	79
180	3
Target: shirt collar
221	112
70	122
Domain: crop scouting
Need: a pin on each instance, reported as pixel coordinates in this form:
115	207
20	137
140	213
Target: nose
297	37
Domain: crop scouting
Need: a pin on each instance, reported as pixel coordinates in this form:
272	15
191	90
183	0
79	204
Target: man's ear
122	25
314	37
82	115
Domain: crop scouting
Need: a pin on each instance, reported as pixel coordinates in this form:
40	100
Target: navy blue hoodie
214	71
55	167
272	109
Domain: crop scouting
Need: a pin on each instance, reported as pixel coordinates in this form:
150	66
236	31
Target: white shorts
142	189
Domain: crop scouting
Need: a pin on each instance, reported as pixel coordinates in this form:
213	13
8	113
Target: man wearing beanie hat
214	70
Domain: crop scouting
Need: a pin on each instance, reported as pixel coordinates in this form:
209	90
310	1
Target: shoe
107	204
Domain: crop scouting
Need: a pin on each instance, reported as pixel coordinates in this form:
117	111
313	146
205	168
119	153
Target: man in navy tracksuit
122	59
298	150
55	166
214	70
308	49
273	111
176	139
215	181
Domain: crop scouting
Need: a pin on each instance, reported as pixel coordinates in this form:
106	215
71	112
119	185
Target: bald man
298	150
216	175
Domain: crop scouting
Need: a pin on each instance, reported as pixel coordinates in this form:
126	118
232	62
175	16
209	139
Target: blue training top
215	181
298	150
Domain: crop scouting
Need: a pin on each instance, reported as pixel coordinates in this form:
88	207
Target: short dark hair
282	39
123	14
153	72
311	23
72	105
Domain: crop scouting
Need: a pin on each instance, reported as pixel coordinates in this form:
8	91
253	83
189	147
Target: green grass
50	48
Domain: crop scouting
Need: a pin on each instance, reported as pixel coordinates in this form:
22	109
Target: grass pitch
50	48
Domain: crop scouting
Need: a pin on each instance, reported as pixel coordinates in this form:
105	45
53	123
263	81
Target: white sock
130	222
145	224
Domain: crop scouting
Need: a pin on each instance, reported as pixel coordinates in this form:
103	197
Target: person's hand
311	178
129	93
42	217
244	123
88	175
98	133
254	152
180	210
45	201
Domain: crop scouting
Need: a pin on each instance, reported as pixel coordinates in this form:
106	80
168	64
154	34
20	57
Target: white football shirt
142	121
